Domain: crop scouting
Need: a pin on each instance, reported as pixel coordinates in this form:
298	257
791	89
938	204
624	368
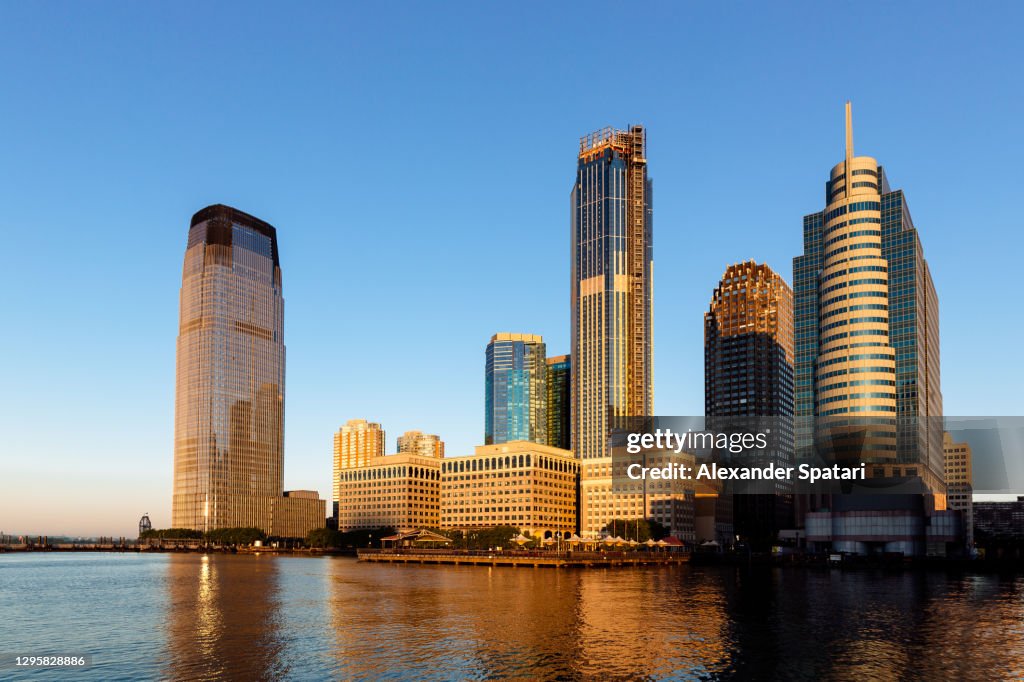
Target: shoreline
552	559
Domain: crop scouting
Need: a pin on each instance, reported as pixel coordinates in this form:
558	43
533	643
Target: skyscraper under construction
612	260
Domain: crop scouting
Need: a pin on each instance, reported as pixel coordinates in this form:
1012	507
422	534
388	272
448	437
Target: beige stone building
959	482
397	491
521	484
297	513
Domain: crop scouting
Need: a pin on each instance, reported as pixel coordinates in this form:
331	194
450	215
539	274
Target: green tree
324	538
171	534
235	536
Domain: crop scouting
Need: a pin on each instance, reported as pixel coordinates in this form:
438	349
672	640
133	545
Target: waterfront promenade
529	558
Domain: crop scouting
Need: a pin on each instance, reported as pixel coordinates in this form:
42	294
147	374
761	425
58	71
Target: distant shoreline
136	549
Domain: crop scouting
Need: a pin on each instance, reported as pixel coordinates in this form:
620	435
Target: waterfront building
559	417
960	483
419	443
866	366
394	491
229	394
867	326
999	528
515	400
611	294
521	484
748	373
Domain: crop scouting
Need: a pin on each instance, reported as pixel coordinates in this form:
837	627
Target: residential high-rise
515	400
559	416
419	443
612	262
229	398
867	328
355	444
748	372
960	482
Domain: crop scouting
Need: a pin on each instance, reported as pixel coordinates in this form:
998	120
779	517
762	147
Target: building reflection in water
873	624
540	623
234	617
223	618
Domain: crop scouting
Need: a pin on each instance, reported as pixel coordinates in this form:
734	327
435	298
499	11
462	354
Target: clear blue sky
417	162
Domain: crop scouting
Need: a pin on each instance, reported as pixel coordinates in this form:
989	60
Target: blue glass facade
515	398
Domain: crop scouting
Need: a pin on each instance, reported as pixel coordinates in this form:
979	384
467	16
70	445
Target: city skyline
336	359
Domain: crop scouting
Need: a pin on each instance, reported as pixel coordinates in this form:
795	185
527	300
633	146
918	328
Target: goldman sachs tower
229	397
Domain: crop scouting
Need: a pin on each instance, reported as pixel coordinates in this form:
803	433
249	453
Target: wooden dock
514	558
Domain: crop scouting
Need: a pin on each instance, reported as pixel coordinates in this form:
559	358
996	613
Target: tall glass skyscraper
515	400
560	401
612	262
867	329
229	398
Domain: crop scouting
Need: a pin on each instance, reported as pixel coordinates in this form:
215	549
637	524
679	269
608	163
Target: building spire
849	132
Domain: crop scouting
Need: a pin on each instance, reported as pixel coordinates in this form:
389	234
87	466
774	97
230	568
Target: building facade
559	417
611	294
395	491
422	444
357	442
866	367
999	528
748	373
229	395
521	484
867	327
515	399
959	482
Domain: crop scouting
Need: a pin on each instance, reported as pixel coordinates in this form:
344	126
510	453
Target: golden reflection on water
235	617
222	620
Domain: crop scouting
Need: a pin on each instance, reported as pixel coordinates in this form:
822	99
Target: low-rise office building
297	513
521	484
395	491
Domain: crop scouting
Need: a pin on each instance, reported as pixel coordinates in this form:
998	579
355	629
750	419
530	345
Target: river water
222	617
